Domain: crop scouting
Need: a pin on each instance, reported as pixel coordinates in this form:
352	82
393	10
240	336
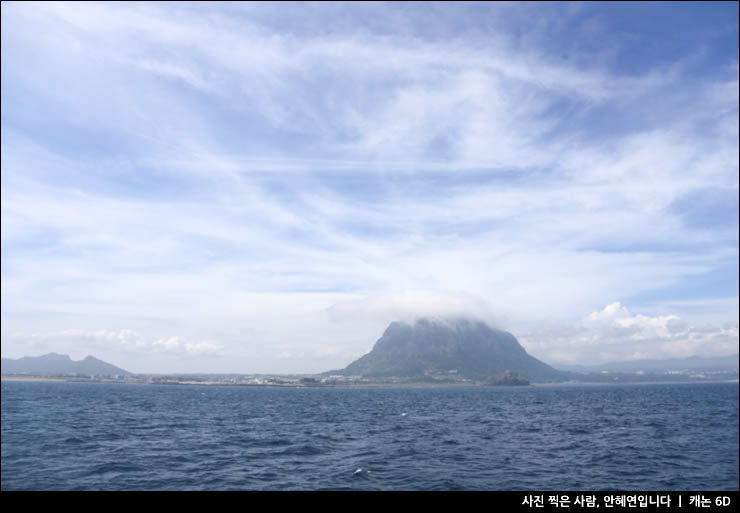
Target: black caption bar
455	501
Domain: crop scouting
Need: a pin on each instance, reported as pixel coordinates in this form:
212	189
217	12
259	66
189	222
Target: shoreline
356	385
30	378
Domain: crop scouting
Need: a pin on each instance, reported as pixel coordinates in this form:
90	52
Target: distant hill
692	363
54	364
462	347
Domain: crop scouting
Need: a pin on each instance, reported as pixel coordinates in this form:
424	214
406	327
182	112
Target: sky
263	187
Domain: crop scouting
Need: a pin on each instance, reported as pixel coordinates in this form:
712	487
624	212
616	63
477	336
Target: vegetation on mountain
437	347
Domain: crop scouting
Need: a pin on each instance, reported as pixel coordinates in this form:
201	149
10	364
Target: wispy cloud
227	171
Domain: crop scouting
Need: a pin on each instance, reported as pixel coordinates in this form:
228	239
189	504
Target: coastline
357	384
29	378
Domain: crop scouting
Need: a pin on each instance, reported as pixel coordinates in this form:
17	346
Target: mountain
460	347
60	364
692	363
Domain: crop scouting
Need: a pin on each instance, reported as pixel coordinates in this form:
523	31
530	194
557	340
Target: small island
508	379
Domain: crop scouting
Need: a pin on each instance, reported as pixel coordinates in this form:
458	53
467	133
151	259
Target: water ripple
82	436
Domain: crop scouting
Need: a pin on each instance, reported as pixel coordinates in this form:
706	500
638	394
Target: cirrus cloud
235	178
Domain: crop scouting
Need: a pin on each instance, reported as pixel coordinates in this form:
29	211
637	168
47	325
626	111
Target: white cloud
240	193
410	305
615	334
76	341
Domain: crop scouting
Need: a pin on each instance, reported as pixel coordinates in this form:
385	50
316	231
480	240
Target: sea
98	436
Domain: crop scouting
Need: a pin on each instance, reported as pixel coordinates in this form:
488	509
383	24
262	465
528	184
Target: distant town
447	379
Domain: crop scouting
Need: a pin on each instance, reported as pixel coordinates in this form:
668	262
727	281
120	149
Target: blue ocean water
92	436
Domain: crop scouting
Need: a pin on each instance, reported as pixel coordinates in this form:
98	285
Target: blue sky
262	187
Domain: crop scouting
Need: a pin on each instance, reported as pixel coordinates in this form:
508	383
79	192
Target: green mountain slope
468	348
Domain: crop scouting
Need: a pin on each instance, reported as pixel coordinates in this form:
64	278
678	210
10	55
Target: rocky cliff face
435	346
